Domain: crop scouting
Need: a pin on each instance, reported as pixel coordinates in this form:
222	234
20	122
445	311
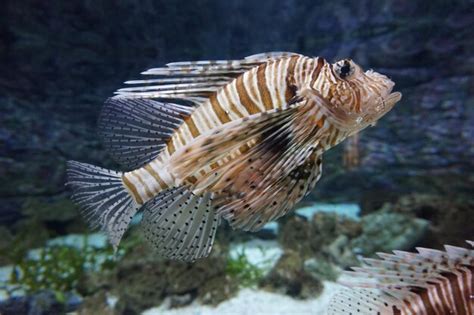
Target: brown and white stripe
423	283
262	88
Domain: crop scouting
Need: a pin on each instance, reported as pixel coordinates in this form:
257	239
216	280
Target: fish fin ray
103	199
135	131
194	81
282	191
360	301
180	224
276	151
220	142
408	278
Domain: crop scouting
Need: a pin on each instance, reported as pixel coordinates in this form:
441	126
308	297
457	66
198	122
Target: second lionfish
430	282
240	140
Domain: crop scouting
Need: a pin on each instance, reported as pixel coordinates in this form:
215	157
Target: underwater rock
96	304
384	231
448	216
217	289
341	252
294	233
320	269
325	238
290	277
13	306
335	239
326	227
144	280
58	215
16	242
6	239
179	300
92	283
41	303
312	237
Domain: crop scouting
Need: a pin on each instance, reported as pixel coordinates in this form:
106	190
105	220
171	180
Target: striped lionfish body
430	282
240	140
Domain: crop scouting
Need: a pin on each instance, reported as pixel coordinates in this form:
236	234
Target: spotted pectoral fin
134	130
362	301
222	142
194	81
180	224
262	194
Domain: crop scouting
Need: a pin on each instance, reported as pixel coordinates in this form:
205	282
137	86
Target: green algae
243	271
59	268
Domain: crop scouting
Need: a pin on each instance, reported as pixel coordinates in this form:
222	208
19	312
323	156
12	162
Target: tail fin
104	200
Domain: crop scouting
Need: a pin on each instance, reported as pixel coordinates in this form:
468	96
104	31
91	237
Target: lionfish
240	140
424	283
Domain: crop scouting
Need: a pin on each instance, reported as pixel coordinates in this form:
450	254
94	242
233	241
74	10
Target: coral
289	277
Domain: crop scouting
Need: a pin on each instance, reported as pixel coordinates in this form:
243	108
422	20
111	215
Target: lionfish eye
345	69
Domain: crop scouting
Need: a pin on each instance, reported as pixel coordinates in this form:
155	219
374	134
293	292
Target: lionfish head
357	99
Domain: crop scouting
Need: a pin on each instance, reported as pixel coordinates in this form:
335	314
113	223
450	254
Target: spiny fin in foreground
104	202
427	282
251	210
180	224
134	131
265	160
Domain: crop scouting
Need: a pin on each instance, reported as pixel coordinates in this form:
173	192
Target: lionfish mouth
385	105
346	119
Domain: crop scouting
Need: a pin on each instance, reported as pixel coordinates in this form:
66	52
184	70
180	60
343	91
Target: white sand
253	301
256	302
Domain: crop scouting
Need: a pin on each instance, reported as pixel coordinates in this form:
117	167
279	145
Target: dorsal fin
134	131
136	124
428	282
194	81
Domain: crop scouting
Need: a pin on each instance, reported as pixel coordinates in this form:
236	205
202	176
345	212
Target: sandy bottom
256	302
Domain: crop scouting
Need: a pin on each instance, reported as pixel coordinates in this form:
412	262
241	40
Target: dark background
59	60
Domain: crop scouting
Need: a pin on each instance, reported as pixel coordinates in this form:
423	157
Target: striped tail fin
104	200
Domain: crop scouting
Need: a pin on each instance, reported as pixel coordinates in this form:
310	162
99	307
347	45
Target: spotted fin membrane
424	283
180	224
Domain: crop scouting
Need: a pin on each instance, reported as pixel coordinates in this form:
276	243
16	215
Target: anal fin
180	224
